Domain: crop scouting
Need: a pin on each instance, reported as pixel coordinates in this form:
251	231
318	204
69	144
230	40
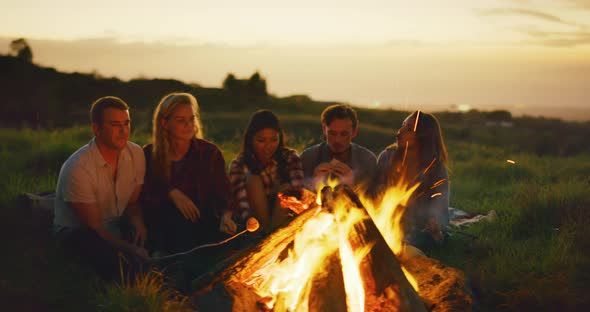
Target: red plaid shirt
271	179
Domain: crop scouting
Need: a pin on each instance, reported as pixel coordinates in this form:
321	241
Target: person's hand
343	172
140	234
320	174
227	224
435	230
186	206
322	170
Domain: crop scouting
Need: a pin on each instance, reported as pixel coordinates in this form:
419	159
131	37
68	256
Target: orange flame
388	213
287	283
331	182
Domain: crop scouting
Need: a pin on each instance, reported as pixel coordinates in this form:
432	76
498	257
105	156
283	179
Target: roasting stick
251	226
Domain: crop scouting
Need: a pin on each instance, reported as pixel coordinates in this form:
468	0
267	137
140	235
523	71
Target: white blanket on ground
461	218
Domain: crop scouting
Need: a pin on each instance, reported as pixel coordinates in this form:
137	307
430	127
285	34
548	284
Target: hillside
41	97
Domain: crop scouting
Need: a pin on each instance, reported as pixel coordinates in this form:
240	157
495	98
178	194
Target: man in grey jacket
338	157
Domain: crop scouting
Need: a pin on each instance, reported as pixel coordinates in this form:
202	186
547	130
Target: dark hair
99	106
339	111
264	119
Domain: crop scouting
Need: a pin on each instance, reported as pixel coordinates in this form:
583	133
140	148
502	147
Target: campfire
341	253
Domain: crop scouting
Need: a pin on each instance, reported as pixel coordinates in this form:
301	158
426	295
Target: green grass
534	257
147	293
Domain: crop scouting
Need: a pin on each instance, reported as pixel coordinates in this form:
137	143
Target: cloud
558	39
579	35
582	4
528	13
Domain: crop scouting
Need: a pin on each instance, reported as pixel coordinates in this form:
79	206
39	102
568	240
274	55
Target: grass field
535	256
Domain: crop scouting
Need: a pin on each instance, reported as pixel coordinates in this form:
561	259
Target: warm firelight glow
290	278
388	219
353	281
332	182
285	281
410	278
510	161
387	214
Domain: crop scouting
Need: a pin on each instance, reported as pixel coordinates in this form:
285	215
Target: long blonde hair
161	144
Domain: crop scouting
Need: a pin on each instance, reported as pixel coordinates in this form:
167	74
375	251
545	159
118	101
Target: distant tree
257	85
231	84
22	49
499	115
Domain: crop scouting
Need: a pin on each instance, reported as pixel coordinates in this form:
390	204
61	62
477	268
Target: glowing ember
438	183
416	122
405	154
297	205
510	161
435	195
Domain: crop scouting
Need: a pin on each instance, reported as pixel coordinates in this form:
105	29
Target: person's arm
313	173
384	171
136	217
343	172
222	195
365	167
439	206
221	186
79	194
439	201
320	175
295	169
90	216
239	196
371	168
159	192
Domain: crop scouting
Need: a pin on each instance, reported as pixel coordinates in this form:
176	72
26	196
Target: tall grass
146	293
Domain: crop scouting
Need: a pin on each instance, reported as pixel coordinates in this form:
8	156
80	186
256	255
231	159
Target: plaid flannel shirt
238	171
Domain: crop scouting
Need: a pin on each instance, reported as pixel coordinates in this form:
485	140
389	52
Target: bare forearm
134	213
112	240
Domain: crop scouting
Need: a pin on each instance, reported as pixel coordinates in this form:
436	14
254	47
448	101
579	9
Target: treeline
37	96
41	97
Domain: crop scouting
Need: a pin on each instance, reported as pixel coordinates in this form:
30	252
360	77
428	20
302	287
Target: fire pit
342	254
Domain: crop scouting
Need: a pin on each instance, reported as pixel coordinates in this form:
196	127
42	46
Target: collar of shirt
97	156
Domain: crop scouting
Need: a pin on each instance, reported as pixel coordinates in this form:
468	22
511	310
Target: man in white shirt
97	185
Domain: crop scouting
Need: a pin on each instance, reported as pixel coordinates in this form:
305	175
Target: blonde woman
186	187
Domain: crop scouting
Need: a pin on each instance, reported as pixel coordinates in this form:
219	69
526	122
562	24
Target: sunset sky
526	56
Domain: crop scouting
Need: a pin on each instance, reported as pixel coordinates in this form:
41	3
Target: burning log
268	248
442	288
381	263
327	290
324	260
